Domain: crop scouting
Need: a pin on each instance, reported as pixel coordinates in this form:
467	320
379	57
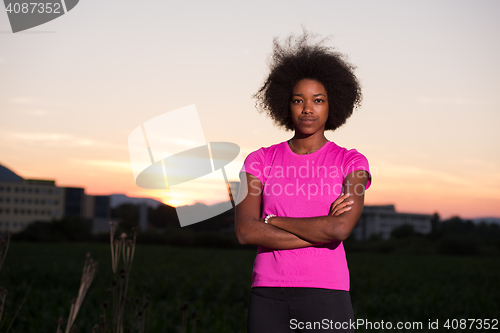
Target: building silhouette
25	201
379	221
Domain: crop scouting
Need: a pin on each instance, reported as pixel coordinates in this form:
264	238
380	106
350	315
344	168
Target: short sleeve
254	164
353	161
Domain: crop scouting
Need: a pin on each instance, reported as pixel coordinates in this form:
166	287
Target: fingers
342	210
341	198
345	206
339	203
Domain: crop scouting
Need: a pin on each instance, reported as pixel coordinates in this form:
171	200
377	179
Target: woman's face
309	106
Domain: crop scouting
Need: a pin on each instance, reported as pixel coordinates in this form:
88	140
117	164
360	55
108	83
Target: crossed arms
292	233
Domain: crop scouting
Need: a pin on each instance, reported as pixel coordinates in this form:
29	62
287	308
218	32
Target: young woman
302	197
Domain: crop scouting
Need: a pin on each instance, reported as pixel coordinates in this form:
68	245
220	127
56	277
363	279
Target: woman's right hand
340	205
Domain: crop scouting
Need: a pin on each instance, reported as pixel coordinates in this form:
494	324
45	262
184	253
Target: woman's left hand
340	205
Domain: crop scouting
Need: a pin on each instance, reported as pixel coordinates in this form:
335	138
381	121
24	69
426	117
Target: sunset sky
73	89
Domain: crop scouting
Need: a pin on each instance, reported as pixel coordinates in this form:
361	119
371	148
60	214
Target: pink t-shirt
302	186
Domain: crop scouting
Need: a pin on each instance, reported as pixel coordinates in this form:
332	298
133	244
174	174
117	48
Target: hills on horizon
118	199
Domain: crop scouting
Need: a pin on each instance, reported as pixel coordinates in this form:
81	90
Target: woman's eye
319	100
296	101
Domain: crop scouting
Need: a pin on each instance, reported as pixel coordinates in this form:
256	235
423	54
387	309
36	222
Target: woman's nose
307	107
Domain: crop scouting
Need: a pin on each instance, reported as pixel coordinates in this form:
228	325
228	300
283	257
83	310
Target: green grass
216	283
419	288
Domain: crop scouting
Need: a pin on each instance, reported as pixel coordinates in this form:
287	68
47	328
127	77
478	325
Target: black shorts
288	310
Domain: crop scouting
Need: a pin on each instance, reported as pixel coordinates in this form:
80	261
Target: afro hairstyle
298	58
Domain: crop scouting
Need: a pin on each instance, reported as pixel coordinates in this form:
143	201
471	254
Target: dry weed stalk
194	319
3	295
120	247
4	248
89	270
59	324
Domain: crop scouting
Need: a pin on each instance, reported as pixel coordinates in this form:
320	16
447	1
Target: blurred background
73	89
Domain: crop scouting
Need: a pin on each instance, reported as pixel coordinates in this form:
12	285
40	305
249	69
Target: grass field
216	283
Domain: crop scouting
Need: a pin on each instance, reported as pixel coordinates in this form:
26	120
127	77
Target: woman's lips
308	120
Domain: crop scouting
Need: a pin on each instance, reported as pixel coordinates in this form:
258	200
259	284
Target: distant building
74	201
96	206
97	212
24	201
381	220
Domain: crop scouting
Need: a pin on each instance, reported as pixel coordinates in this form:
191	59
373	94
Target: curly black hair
297	59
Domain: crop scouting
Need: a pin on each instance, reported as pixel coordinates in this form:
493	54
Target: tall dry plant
89	270
3	295
4	248
122	250
185	316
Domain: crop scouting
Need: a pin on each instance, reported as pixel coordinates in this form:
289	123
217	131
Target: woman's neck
305	144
